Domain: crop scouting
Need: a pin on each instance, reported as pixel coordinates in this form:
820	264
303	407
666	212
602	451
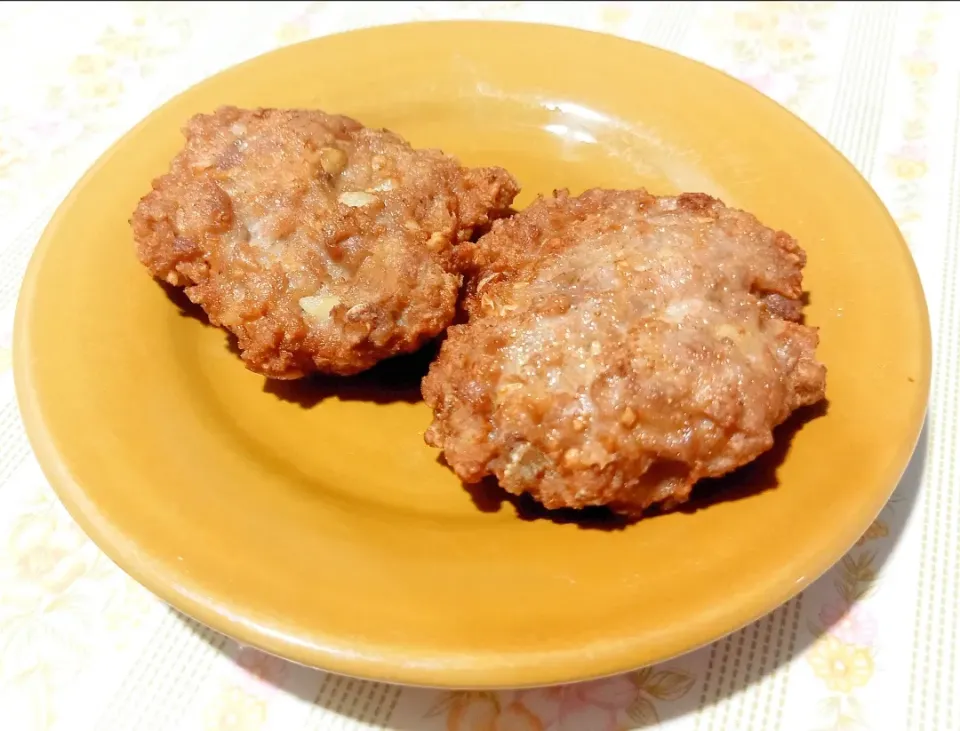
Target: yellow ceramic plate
312	521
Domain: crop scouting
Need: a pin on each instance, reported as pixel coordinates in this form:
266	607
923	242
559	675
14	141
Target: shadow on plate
195	312
683	686
757	476
752	479
396	379
693	682
489	497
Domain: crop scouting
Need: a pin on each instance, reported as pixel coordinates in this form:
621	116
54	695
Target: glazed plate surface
311	520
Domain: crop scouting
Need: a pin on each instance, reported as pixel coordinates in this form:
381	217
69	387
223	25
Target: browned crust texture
619	347
321	244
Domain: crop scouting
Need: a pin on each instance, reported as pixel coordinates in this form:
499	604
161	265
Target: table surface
872	645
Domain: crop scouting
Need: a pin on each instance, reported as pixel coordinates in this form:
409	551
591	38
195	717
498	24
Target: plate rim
331	658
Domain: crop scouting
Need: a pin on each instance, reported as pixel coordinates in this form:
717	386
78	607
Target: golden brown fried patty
321	244
620	347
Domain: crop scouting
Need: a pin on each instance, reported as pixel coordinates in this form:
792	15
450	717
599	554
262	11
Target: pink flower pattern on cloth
851	624
595	705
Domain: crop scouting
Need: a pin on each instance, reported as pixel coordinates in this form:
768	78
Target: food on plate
619	347
322	245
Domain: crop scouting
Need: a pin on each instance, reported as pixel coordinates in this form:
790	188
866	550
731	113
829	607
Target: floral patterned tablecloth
872	645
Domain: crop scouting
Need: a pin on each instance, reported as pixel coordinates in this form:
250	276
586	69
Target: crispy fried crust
619	347
321	244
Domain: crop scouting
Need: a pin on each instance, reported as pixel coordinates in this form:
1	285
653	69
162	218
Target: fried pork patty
619	347
321	244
